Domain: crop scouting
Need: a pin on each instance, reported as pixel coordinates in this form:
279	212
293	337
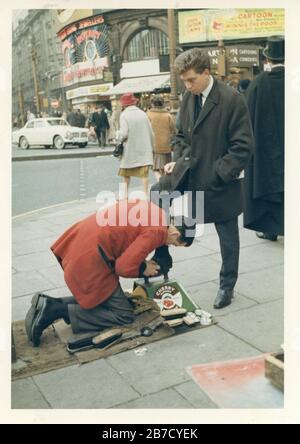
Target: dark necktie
198	106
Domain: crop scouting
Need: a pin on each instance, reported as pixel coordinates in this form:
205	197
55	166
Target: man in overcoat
212	147
264	175
93	254
101	125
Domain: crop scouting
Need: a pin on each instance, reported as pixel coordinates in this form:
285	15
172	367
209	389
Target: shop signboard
243	56
85	48
192	26
65	17
84	71
229	24
88	90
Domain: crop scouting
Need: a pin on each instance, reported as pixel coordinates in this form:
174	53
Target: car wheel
24	143
59	142
82	145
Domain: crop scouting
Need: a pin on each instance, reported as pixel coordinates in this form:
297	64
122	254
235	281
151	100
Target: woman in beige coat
137	135
164	128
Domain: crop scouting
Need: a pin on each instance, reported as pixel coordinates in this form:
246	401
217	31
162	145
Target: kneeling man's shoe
31	314
44	317
224	298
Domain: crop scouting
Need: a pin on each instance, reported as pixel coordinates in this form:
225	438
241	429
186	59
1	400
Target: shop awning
140	84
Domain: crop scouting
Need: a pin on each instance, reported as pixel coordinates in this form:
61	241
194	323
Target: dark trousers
228	233
116	310
101	136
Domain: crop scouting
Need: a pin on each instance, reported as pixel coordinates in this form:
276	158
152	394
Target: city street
43	183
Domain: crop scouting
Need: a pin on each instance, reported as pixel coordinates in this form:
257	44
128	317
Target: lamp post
221	59
172	57
35	79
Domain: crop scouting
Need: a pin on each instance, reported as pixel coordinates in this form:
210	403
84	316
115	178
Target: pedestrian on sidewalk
80	119
138	140
71	117
164	128
264	176
101	124
94	255
114	125
213	144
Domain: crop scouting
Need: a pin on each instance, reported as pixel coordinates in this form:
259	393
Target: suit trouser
228	233
101	136
116	310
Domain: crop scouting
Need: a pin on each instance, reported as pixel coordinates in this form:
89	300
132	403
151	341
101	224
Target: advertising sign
88	90
192	26
229	24
243	56
85	47
84	71
66	16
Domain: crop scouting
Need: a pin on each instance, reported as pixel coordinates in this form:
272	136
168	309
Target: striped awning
140	84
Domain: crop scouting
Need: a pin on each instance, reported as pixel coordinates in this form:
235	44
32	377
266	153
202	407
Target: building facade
120	44
36	64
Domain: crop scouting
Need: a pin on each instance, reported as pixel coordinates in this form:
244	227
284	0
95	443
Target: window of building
149	43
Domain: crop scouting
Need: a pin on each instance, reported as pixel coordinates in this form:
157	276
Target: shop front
86	98
86	72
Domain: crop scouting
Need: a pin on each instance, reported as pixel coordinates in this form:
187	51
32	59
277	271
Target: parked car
50	132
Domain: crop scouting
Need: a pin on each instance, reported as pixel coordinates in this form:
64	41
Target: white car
50	132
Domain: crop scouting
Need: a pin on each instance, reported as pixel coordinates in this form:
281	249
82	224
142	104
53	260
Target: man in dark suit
80	119
212	147
100	122
264	176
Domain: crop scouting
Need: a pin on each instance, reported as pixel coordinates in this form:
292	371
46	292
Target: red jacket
89	278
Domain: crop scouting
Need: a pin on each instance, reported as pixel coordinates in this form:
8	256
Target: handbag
118	151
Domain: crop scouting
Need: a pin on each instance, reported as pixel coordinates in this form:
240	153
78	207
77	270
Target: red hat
128	99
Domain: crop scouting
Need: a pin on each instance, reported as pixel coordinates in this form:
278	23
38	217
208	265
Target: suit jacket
86	273
100	120
213	151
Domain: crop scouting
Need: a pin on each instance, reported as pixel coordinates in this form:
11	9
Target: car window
39	124
30	125
56	122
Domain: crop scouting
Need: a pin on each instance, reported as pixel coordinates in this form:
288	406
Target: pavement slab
165	399
195	396
194	251
262	285
27	283
257	257
34	261
22	233
261	325
163	364
205	294
95	385
54	274
196	271
26	395
32	246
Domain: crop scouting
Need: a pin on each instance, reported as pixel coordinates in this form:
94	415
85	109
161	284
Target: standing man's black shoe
224	298
268	236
